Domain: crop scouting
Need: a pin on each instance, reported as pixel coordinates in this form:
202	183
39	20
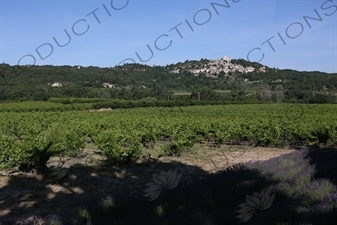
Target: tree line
137	81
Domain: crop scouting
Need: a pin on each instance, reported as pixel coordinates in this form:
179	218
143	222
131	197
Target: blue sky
241	27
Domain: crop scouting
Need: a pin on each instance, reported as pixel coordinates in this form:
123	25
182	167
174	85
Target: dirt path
211	159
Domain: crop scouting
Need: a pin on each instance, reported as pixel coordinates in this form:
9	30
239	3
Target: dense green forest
137	81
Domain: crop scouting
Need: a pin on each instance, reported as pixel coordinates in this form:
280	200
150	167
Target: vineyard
30	138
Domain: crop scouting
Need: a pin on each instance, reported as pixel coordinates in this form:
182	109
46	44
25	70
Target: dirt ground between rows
27	194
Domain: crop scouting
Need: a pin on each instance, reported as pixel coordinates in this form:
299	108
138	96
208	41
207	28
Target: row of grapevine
32	137
36	106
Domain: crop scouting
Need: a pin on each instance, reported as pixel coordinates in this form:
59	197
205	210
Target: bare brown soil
30	194
101	110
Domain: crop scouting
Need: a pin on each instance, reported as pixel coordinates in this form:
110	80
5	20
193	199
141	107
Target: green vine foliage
31	138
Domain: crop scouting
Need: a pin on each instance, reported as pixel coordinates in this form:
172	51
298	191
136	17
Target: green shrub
27	153
117	149
38	157
177	147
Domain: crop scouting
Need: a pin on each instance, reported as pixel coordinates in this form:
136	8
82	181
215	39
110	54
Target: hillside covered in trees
210	80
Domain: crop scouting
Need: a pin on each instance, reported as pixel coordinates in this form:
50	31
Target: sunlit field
69	164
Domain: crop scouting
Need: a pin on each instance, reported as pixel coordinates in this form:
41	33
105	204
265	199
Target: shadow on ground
200	198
